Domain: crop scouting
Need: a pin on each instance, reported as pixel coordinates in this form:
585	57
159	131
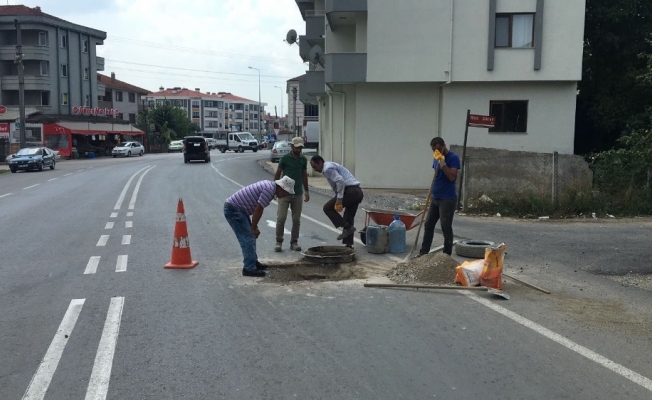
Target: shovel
492	291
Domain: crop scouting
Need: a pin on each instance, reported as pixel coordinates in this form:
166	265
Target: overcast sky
206	44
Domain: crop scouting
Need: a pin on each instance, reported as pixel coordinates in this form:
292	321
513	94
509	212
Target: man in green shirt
294	165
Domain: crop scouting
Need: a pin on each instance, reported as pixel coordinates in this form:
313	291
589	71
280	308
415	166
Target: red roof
181	93
112	83
24	10
229	96
297	78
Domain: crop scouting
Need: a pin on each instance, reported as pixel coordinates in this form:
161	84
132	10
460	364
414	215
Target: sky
206	44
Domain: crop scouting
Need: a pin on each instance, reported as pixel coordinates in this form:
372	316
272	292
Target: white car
175	145
128	149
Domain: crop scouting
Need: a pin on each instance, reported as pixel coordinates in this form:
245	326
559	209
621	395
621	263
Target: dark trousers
352	198
440	210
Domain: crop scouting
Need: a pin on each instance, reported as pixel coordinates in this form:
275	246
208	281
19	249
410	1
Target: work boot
295	246
346	232
255	273
278	248
261	266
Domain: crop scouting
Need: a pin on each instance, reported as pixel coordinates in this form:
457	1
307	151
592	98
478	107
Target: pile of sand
436	269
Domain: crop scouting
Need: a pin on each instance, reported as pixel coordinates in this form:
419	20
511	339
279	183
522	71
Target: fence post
555	177
465	183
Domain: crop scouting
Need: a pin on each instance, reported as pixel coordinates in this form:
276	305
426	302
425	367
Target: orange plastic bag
468	273
492	270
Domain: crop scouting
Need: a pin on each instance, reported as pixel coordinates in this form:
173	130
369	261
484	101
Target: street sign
3	109
482	121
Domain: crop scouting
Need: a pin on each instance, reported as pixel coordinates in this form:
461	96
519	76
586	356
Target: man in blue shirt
444	196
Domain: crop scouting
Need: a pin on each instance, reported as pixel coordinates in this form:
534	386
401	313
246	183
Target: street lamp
258	97
282	115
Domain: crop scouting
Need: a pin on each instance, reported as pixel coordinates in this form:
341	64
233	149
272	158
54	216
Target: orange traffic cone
181	258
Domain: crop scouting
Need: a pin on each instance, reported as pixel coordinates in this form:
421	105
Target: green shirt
294	167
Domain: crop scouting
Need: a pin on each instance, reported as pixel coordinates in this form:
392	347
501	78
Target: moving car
128	149
32	158
175	145
237	141
280	149
196	148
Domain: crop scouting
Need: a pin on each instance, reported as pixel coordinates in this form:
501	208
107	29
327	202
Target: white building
397	73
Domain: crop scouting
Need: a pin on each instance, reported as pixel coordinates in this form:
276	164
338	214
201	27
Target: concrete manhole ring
329	254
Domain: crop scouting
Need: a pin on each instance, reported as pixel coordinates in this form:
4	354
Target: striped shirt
338	177
248	197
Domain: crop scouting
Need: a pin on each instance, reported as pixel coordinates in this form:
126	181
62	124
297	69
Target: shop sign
77	110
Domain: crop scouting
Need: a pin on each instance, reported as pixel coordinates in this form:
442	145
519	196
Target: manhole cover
329	254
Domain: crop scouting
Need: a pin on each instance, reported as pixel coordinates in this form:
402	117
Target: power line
194	77
194	70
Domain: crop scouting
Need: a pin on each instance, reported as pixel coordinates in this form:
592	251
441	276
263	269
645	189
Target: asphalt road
89	312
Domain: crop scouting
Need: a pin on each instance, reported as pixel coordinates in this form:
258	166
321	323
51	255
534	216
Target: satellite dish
316	55
291	36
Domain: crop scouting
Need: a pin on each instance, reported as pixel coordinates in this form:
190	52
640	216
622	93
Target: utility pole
294	112
18	60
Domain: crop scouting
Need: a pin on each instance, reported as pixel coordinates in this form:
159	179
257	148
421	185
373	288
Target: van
237	141
311	137
195	148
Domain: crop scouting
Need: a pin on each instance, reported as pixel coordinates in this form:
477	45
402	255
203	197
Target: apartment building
299	112
392	75
121	96
214	112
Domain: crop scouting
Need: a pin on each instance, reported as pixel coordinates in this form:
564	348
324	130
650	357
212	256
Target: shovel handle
395	285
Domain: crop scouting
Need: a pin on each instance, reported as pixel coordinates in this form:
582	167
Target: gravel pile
435	269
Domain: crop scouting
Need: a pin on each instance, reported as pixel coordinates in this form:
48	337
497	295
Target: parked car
196	148
212	143
237	141
128	149
263	144
175	145
32	158
280	149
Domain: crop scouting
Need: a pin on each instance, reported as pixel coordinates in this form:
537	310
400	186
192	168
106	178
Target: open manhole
322	263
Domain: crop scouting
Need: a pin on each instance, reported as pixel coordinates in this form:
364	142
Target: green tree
174	119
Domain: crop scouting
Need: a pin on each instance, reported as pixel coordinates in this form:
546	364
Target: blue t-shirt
445	188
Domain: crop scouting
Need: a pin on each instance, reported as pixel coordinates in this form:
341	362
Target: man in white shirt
348	197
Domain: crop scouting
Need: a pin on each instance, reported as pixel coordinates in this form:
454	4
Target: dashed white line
5	195
569	344
33	186
53	179
68	174
109	225
130	214
80	170
91	267
118	204
114	215
134	195
43	376
102	241
98	386
121	264
126	239
129	224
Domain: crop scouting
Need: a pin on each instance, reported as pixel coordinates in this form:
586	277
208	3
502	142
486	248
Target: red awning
90	128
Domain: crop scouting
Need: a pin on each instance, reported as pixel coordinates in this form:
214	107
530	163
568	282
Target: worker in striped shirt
243	211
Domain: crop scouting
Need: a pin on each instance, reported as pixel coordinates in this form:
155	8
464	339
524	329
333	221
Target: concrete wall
551	115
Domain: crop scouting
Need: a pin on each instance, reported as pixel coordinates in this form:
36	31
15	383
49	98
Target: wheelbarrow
385	217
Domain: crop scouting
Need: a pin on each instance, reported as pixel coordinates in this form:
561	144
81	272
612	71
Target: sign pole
466	136
18	59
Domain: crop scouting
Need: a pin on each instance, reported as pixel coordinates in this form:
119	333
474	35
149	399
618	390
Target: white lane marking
5	195
129	224
29	187
43	376
130	213
126	239
118	204
102	241
53	179
272	224
109	225
79	170
121	264
68	174
91	267
569	344
98	386
114	215
134	195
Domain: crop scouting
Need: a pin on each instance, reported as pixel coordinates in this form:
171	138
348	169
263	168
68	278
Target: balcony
345	68
100	63
315	28
7	53
31	82
343	12
304	48
305	5
311	87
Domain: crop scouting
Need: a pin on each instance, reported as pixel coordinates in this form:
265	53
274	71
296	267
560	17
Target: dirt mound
436	269
294	272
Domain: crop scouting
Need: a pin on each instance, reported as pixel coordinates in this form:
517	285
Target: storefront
85	137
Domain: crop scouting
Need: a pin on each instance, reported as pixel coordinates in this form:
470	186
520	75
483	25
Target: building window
220	104
64	70
514	30
63	41
118	96
132	97
45	68
86	74
121	116
42	38
132	118
64	99
87	100
195	114
84	45
45	98
195	103
511	116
